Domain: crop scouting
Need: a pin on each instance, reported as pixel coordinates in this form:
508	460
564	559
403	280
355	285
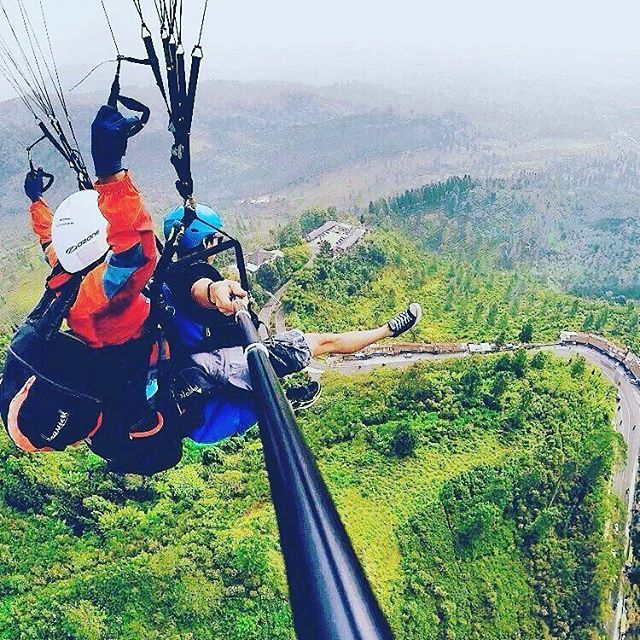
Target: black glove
110	133
34	184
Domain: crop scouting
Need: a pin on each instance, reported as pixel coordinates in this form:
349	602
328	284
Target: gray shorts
289	353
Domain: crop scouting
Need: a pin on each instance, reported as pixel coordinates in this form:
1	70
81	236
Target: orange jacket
110	308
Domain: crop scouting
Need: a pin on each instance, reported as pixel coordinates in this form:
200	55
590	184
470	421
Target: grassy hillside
461	300
475	492
574	223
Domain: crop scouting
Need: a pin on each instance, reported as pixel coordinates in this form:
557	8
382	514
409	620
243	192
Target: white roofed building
348	242
261	257
317	235
340	236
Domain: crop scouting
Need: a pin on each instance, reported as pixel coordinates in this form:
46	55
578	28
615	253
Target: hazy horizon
403	44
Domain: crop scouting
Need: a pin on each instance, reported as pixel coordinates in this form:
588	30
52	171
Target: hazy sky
364	39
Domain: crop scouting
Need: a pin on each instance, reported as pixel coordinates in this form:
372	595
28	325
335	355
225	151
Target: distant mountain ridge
248	139
574	224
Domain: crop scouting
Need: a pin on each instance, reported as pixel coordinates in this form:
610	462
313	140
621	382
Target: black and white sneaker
406	320
303	397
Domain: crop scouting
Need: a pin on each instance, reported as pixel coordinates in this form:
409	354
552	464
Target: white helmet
79	231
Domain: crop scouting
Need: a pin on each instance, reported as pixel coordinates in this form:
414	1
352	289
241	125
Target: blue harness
231	412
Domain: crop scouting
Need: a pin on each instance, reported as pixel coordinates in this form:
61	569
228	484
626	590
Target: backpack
56	392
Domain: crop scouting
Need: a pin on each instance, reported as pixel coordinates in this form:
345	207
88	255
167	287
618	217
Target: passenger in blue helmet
204	227
213	385
195	326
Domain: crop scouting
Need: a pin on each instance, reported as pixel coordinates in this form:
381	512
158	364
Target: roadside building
346	244
340	236
483	347
318	235
260	258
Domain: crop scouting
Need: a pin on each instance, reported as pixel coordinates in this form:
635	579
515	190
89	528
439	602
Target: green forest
490	491
461	301
581	238
475	492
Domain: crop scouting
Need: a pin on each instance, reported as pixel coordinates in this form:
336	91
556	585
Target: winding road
626	421
274	304
624	481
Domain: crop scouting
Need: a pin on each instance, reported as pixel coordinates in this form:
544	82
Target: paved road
274	303
624	482
627	417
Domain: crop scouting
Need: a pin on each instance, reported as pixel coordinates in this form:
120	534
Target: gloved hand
34	184
110	133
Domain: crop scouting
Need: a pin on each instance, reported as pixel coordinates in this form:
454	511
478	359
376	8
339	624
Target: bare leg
326	343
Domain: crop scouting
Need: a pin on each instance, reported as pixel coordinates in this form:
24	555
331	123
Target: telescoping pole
331	598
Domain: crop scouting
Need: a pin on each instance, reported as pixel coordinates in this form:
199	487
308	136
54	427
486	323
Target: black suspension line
31	75
151	59
38	93
159	5
88	75
17	78
23	54
60	91
50	179
178	91
113	35
329	592
13	134
179	21
33	42
204	17
15	85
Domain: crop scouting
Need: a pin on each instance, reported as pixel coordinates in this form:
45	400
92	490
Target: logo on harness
75	247
184	394
63	418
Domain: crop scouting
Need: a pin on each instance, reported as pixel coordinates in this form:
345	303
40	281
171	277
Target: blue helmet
206	223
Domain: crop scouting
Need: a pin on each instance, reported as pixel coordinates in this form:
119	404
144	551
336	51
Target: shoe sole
309	403
418	317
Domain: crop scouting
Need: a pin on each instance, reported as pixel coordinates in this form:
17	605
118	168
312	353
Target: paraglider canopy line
204	17
88	75
31	73
113	35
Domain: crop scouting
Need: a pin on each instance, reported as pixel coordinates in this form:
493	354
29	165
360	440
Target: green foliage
461	301
528	222
393	439
4	343
526	333
445	194
288	235
313	218
465	527
292	233
489	511
578	367
271	276
475	492
539	360
340	280
192	553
